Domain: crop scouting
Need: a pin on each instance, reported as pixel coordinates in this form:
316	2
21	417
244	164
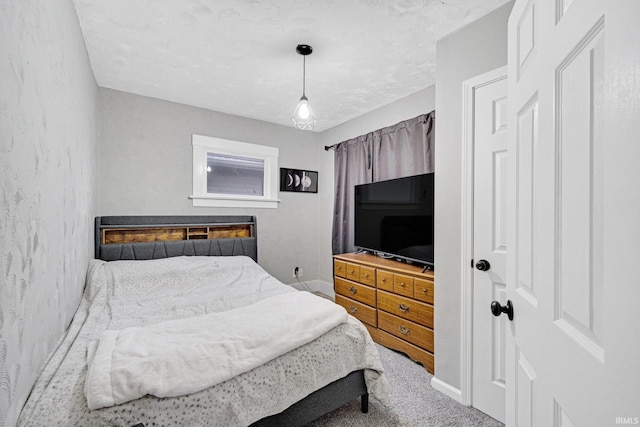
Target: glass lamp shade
303	117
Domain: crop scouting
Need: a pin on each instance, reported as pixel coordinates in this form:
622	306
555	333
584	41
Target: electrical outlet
297	272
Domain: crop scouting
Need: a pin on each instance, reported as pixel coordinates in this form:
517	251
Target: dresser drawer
393	300
416	353
423	290
353	272
367	275
384	280
356	291
340	268
403	285
409	331
360	311
406	308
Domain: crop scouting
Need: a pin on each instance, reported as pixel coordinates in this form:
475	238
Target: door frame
468	113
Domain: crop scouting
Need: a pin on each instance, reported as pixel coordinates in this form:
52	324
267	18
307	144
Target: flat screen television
394	218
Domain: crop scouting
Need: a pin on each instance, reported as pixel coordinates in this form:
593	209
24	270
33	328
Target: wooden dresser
394	300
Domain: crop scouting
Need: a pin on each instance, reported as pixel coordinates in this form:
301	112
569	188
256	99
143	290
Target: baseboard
315	286
447	389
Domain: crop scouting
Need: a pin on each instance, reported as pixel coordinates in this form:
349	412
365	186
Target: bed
154	270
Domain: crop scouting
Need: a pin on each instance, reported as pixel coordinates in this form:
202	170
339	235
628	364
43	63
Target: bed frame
153	237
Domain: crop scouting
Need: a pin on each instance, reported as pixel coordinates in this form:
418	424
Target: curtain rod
424	120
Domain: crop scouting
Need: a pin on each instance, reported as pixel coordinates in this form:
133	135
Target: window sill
233	202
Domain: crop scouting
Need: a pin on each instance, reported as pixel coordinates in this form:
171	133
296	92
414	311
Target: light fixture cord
304	68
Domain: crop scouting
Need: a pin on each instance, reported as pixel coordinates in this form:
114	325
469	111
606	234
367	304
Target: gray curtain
353	163
404	149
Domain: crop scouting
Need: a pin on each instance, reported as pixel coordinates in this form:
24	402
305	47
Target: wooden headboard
152	237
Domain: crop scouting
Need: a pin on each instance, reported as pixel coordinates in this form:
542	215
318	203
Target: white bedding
183	356
126	294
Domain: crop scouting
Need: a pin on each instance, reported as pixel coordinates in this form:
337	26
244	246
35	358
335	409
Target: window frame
201	145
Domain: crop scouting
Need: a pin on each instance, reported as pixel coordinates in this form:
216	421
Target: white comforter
125	294
183	356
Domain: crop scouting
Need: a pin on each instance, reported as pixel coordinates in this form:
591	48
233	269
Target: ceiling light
303	117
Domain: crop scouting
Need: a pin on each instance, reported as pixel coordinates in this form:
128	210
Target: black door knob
483	265
498	309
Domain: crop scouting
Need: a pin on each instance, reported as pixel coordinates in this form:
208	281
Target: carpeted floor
413	402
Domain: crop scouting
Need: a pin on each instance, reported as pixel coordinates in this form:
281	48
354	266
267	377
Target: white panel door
573	350
489	244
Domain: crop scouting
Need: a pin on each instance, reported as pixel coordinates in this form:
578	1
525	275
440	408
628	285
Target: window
234	174
230	174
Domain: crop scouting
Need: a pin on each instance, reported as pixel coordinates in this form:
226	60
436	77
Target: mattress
123	294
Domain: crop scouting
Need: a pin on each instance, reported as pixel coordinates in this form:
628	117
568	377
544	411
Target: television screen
395	218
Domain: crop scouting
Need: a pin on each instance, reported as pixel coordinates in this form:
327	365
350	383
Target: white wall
145	167
47	163
406	108
475	49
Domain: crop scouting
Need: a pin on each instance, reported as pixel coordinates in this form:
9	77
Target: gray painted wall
145	168
405	108
47	163
475	49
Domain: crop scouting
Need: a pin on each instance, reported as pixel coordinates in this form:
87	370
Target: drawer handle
384	280
353	310
404	330
403	308
353	290
339	268
366	274
353	271
402	284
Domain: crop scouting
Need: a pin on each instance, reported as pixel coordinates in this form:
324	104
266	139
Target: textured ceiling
238	56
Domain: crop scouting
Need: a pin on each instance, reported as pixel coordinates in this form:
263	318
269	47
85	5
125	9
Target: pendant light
303	117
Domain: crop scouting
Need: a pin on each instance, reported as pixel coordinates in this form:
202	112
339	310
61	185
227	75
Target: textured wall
47	140
145	168
470	51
